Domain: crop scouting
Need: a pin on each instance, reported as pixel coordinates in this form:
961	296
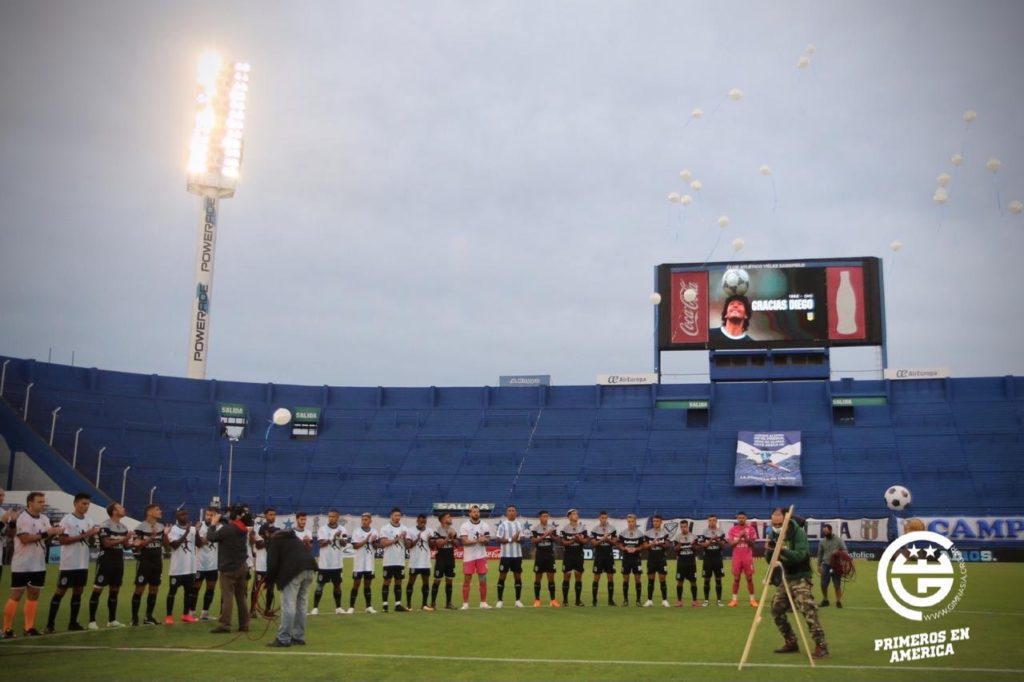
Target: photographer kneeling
292	568
231	564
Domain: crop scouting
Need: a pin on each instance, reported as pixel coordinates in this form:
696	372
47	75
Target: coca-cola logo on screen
689	324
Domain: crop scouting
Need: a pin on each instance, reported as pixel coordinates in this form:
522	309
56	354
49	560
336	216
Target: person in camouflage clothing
795	558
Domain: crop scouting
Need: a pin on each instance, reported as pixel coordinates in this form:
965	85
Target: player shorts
148	574
328	575
742	565
712	569
359	575
572	563
207	575
185	580
544	564
657	566
471	566
686	572
425	572
631	566
395	572
444	569
604	564
109	576
74	578
513	564
28	579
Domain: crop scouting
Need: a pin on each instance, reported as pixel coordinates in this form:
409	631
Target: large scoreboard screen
770	304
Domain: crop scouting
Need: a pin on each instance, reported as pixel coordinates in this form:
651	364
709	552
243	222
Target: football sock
650	589
352	598
337	597
76	606
368	594
693	590
150	604
565	590
664	590
625	591
501	589
707	588
94	605
448	593
518	585
551	589
679	592
30	613
317	594
593	592
718	587
170	599
424	591
111	606
384	594
10	608
398	592
579	589
51	621
536	589
465	591
136	602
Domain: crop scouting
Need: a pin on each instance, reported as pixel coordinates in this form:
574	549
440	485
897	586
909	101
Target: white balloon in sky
940	196
735	94
993	164
765	170
970	115
697	113
1016	207
685	175
943	179
686	200
674	197
896	245
803	62
282	416
655	298
696	185
690	295
723	221
738	244
810	49
957	159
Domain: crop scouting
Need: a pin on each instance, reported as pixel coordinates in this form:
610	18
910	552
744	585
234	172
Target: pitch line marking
1014	614
484	659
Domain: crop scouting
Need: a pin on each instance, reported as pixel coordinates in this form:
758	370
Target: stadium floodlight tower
215	157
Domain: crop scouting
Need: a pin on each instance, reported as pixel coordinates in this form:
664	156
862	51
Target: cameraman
231	564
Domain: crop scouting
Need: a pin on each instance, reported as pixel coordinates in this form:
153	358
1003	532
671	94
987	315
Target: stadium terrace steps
958	443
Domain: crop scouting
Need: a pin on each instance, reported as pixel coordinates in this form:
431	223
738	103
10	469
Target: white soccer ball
735	282
897	497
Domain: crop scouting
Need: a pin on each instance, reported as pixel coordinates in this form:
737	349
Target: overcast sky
442	192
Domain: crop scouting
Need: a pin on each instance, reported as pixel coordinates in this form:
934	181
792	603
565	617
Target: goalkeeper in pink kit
741	538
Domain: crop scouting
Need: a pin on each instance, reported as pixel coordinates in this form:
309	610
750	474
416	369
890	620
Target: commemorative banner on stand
769	458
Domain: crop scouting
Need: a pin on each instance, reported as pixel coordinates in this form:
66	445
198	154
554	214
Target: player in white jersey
474	535
395	539
332	539
259	537
511	535
75	532
206	562
302	531
28	563
364	541
419	561
181	538
8	522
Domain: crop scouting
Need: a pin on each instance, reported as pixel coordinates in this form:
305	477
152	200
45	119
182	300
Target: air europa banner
770	458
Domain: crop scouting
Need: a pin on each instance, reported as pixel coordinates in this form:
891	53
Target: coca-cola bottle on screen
846	305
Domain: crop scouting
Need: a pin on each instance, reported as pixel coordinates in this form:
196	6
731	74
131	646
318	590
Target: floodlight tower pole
215	157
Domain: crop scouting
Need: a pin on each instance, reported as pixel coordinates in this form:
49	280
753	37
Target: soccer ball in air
735	282
897	497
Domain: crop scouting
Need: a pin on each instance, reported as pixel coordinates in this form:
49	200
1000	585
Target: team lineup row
194	560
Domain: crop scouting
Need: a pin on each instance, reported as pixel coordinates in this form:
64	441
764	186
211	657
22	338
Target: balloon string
719	105
712	251
999	201
775	196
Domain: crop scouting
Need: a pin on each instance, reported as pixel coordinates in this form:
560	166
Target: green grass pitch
602	643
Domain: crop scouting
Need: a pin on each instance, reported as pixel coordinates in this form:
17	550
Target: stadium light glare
214	164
